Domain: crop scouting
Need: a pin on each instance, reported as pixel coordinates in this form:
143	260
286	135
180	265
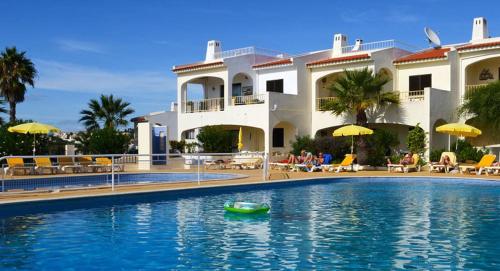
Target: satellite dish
432	37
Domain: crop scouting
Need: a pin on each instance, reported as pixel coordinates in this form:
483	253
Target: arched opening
282	136
252	138
203	94
242	91
323	92
481	73
439	140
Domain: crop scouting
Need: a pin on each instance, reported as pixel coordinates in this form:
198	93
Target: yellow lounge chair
437	167
66	163
346	164
44	163
486	161
17	163
406	168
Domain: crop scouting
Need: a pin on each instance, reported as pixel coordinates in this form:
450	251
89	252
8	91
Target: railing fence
58	172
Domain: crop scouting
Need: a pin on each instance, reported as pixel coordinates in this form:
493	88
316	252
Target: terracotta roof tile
180	68
479	45
339	59
424	55
273	63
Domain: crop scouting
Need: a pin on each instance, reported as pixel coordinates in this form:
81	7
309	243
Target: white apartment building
274	96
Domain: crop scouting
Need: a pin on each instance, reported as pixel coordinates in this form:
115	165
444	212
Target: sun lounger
106	163
492	170
88	164
44	163
66	163
243	162
17	164
406	168
446	168
346	164
486	161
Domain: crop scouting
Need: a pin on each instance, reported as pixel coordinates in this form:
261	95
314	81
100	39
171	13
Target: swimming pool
362	223
78	181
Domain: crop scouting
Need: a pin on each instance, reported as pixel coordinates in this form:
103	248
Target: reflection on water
342	225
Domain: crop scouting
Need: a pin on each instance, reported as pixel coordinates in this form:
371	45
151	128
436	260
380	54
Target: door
236	90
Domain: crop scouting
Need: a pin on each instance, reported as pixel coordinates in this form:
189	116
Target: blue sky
84	48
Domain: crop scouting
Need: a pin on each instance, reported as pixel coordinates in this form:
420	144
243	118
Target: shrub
465	151
380	145
22	144
416	140
435	155
177	145
215	139
103	141
302	143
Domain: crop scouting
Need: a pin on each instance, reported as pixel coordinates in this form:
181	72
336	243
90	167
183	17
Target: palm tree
358	91
16	71
2	110
108	111
483	105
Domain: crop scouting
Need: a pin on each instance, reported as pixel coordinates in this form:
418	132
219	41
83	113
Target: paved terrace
252	177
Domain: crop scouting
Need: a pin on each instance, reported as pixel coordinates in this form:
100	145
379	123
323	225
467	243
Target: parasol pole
34	144
352	144
449	142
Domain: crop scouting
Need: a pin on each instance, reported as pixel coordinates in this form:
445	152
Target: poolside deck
253	177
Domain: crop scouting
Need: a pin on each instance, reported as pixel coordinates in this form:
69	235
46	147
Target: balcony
248	99
411	96
205	105
322	102
404	96
471	88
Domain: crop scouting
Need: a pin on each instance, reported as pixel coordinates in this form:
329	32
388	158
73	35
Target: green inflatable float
246	207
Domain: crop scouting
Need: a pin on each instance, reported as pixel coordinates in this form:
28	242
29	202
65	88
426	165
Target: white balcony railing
206	105
404	96
249	51
322	102
471	88
248	99
377	45
411	96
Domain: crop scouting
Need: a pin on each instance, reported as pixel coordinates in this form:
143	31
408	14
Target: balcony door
236	90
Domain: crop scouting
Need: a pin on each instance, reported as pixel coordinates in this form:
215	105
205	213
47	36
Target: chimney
213	50
479	29
339	41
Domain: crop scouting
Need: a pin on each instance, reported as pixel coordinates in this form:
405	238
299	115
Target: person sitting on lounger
292	159
406	160
320	159
446	161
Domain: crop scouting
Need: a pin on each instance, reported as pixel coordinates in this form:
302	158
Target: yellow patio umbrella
458	129
352	130
240	140
33	128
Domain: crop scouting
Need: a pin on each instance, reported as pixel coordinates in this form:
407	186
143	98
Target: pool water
366	223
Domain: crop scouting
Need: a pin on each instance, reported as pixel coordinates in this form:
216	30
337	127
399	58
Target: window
189	134
419	82
278	137
274	86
